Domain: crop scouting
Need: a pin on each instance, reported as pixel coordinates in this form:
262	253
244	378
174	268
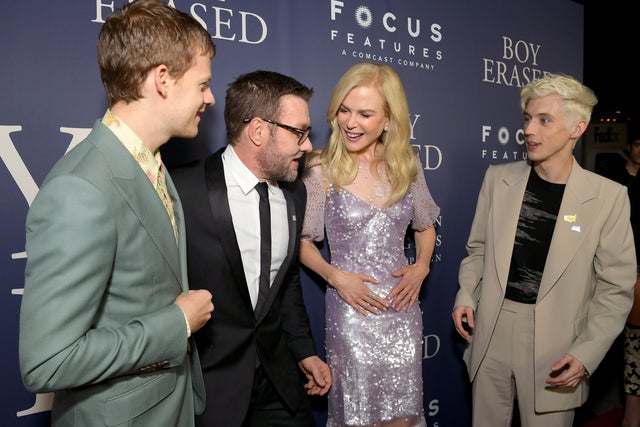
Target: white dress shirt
243	202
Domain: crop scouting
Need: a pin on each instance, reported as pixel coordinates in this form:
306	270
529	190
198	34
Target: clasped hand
352	288
567	372
196	306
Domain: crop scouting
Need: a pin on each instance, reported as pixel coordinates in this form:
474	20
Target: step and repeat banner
462	64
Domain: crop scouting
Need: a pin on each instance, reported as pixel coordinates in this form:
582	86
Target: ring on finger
370	295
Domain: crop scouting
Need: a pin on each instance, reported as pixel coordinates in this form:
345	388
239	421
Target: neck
136	116
632	168
372	153
557	173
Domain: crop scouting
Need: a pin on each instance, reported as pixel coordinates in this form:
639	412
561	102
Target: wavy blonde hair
341	166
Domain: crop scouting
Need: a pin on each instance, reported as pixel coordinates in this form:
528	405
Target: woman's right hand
351	287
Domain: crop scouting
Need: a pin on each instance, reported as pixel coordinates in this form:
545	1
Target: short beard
274	166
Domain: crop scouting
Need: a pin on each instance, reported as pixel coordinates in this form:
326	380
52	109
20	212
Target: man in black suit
255	352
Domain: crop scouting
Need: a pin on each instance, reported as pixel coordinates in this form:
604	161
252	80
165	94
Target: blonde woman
365	188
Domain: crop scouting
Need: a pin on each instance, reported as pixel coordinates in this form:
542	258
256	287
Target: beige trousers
507	373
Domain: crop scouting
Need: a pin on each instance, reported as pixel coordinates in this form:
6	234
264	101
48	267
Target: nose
209	99
351	121
306	145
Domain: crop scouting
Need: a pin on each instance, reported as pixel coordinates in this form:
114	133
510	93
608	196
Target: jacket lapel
137	190
222	225
577	210
182	233
508	201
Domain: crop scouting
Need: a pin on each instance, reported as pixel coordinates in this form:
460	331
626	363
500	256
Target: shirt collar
149	162
243	176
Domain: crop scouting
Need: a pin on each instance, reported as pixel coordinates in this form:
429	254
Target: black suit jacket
231	341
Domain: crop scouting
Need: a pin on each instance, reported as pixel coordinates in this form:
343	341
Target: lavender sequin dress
375	360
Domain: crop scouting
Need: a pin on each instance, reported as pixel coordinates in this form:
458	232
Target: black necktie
265	243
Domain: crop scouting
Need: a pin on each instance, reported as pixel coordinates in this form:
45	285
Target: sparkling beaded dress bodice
363	237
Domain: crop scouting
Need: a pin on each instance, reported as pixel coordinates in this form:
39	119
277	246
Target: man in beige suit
548	280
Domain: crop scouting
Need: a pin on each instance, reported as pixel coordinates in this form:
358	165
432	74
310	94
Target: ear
257	131
161	79
578	128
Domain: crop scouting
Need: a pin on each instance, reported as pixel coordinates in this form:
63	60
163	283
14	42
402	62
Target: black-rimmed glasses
303	134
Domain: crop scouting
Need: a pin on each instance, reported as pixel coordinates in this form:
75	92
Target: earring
386	128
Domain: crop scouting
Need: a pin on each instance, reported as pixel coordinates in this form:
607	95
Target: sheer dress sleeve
425	209
313	225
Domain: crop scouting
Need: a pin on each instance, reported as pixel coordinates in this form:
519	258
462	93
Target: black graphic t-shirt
540	206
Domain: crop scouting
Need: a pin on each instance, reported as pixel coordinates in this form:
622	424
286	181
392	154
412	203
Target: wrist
186	320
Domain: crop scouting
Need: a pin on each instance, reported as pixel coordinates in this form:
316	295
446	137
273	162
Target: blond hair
578	100
341	166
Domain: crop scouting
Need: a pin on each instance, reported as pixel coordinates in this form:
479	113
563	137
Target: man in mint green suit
106	314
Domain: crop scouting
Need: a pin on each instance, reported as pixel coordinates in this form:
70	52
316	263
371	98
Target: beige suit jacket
586	290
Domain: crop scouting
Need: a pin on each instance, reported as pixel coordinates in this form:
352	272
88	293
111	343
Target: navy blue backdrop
462	63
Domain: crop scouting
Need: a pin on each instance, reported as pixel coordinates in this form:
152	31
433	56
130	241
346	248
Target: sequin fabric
632	360
376	361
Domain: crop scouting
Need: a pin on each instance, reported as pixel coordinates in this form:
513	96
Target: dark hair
633	132
258	94
141	36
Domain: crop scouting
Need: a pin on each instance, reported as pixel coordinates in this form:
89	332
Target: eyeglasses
303	134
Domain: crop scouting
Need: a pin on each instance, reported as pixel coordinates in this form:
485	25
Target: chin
292	175
189	134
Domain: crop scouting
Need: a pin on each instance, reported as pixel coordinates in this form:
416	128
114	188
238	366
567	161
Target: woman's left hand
406	292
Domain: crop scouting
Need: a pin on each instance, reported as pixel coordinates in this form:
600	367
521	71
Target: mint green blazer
97	322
